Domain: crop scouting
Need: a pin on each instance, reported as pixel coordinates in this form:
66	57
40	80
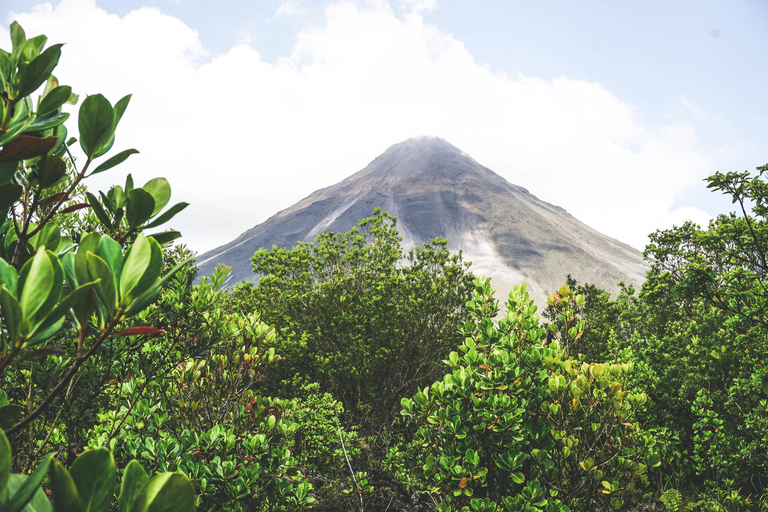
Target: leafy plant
518	425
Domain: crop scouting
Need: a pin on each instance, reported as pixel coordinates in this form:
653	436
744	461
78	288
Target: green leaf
112	253
53	101
115	160
96	124
168	215
11	313
120	107
166	492
141	267
14	131
160	190
38	71
48	121
99	210
138	207
8	276
63	490
47	237
94	475
98	270
145	299
22	490
41	282
77	301
5	460
166	236
9	414
18	38
134	479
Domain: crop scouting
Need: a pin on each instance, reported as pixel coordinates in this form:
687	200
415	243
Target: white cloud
241	138
289	8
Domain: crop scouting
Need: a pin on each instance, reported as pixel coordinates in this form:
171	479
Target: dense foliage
352	376
357	316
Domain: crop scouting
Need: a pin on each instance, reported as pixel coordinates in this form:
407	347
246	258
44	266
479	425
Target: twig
357	486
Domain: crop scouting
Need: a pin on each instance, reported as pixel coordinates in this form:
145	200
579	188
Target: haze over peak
436	190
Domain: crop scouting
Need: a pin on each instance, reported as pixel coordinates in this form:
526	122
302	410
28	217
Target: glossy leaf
115	160
138	207
141	268
22	490
99	210
160	190
63	490
5	461
134	479
166	492
51	169
94	475
23	147
96	124
166	216
38	71
11	313
54	100
98	270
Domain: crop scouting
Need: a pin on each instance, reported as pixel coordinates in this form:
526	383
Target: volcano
436	190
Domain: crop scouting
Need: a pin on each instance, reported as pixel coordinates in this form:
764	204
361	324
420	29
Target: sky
615	111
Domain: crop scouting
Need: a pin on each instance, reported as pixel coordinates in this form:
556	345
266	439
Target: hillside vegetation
352	376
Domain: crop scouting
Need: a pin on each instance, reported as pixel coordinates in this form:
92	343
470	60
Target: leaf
8	276
42	123
11	313
115	160
166	492
166	236
160	190
47	237
41	352
99	210
96	124
51	169
54	100
9	194
141	268
63	490
41	282
75	207
5	460
24	147
134	479
141	329
38	71
9	414
22	489
94	475
106	289
168	215
120	107
139	207
146	298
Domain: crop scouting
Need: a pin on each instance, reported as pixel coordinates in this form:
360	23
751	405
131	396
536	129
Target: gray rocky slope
436	190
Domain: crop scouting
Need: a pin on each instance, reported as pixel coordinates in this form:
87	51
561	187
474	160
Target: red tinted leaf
75	207
26	146
141	329
41	352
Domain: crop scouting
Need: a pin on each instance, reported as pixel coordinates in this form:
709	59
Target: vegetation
352	376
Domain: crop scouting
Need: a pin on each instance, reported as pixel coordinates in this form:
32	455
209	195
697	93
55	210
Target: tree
65	300
516	424
358	317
